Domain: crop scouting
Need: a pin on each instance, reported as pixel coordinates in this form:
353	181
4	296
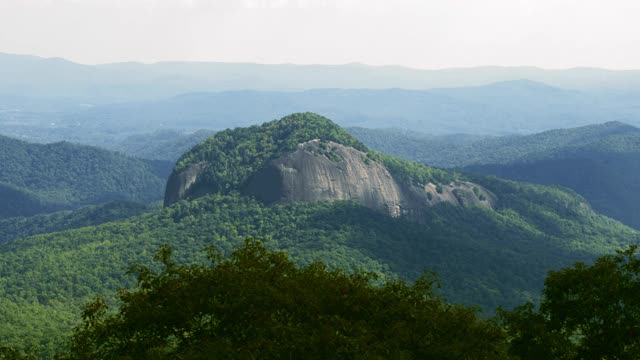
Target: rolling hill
36	178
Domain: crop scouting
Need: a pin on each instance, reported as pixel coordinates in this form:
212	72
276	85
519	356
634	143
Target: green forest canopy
38	178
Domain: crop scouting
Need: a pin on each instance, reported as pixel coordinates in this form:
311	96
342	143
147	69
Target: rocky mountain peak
326	170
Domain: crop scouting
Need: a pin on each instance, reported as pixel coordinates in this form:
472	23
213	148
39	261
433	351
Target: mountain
497	108
277	164
48	100
490	241
60	78
600	162
36	178
514	107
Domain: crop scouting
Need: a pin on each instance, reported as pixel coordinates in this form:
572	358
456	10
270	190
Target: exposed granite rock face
319	171
179	185
328	171
460	193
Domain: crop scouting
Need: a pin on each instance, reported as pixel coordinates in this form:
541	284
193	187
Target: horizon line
352	63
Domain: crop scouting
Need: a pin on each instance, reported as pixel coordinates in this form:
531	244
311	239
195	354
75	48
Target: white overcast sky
416	33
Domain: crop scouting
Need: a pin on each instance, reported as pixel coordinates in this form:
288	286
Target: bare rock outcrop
319	171
327	171
180	185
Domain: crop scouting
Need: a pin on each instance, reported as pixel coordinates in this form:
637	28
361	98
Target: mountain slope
483	257
305	157
600	162
605	170
18	201
38	178
487	256
19	227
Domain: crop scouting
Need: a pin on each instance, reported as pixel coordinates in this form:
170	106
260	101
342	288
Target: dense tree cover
63	175
484	257
458	151
18	227
256	303
603	166
18	201
411	172
587	312
10	353
608	181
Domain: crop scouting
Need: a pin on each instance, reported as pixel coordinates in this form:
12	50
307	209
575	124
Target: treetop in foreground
256	303
587	312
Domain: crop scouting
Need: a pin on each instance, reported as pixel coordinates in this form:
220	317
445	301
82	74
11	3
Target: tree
587	312
9	353
257	304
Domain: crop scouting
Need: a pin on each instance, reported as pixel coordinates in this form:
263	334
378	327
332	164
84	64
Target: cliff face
319	171
327	171
181	185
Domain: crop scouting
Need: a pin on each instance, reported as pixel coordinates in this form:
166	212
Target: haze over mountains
54	77
47	100
501	102
507	107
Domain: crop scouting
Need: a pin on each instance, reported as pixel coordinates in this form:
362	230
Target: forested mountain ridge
486	256
610	137
600	162
36	178
460	150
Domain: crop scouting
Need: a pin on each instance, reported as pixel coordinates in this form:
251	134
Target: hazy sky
417	33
